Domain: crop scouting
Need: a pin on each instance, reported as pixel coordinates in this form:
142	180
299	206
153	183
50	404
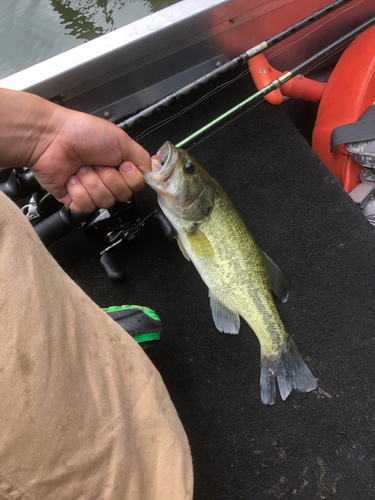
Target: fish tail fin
288	369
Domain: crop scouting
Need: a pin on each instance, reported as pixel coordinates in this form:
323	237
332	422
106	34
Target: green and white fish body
212	234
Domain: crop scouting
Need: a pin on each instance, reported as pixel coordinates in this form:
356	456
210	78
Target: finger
115	182
78	198
95	187
132	176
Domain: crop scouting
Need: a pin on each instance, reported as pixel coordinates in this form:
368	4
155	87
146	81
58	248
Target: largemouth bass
239	276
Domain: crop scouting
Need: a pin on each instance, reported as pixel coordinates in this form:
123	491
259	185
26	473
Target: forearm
27	126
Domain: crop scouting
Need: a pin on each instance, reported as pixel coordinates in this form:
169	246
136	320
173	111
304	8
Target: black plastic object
59	224
46	203
21	183
118	224
126	233
112	267
166	227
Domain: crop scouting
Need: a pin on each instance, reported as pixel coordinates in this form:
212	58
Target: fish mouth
162	160
163	165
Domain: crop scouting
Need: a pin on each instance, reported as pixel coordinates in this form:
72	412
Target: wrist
27	127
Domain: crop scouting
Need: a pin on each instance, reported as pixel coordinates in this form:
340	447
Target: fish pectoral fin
225	320
279	283
200	244
182	248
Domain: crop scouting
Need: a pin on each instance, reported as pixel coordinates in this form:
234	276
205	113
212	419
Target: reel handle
111	267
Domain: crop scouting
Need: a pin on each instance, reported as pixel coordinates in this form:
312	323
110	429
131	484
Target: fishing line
209	94
221	87
281	80
237	61
330	55
289	45
259	103
262	102
224	125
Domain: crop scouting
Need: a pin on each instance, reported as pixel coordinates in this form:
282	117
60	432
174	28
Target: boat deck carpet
311	446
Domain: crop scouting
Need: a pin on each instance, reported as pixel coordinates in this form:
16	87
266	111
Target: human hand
84	161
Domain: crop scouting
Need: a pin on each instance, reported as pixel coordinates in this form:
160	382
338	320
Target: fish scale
239	276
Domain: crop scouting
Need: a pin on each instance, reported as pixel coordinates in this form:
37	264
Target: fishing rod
237	61
275	84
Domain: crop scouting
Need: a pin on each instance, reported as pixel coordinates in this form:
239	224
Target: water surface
34	30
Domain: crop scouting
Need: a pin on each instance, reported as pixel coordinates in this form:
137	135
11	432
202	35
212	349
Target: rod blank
279	81
237	61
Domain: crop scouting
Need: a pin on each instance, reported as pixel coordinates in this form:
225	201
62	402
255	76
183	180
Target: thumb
134	152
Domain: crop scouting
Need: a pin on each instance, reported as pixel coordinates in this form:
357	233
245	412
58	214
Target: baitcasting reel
119	224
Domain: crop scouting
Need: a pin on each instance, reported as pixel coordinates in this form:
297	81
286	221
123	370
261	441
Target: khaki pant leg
83	412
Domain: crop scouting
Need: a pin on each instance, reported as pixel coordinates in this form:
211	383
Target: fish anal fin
200	244
279	283
288	370
225	320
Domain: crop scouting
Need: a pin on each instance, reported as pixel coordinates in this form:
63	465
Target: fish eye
189	168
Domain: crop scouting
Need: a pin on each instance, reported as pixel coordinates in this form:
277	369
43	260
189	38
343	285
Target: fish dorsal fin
225	320
279	283
182	248
200	245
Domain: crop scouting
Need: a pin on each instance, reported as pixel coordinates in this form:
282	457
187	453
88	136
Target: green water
34	30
